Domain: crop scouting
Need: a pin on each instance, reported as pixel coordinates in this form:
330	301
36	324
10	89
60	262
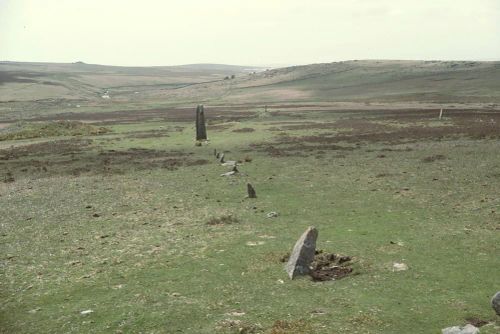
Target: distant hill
22	81
368	80
362	81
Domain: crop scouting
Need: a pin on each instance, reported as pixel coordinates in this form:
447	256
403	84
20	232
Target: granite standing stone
201	130
302	254
251	191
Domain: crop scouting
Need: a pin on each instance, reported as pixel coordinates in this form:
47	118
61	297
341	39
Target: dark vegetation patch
77	156
223	220
475	321
148	134
369	128
243	130
50	129
212	114
12	76
433	158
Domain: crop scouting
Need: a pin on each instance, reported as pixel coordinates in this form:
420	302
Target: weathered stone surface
201	130
495	302
251	191
302	254
467	329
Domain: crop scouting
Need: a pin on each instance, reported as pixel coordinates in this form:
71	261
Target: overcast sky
247	32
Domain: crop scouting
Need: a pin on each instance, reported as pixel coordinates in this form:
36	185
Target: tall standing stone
302	254
201	130
251	191
221	159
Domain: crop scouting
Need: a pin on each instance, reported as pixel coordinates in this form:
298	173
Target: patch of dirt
433	158
327	266
291	327
330	266
474	321
243	130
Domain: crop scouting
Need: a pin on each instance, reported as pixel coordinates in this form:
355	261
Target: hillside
358	81
364	81
81	81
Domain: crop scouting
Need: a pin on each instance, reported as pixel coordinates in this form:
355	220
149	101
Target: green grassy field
117	226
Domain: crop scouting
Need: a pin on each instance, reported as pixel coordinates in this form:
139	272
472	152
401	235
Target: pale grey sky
247	32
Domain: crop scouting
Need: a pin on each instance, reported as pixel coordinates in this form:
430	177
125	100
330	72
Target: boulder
467	329
495	302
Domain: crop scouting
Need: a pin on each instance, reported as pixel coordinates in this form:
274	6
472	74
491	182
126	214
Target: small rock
96	215
176	294
228	173
467	329
495	302
86	312
399	267
272	214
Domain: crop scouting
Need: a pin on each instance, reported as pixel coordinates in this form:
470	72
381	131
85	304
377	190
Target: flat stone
302	254
495	302
467	329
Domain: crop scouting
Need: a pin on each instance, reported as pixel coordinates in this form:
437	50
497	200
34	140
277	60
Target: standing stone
215	152
201	130
217	156
302	254
495	302
222	158
251	191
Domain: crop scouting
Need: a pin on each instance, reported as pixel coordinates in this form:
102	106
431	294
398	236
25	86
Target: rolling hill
359	81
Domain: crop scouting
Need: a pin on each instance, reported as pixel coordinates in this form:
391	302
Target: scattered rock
86	312
228	173
302	254
399	266
467	329
96	215
272	214
255	243
495	302
230	163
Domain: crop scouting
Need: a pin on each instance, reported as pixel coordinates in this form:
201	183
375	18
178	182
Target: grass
181	250
49	129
